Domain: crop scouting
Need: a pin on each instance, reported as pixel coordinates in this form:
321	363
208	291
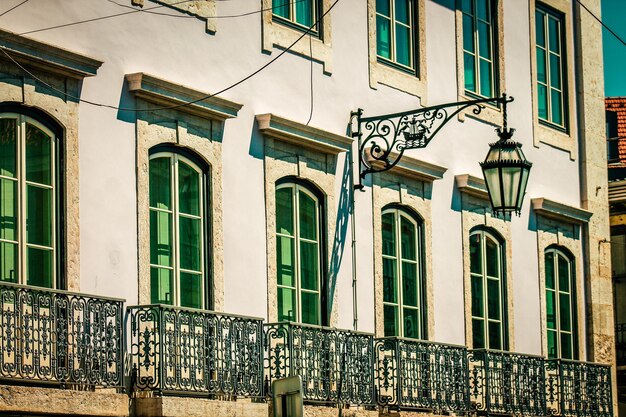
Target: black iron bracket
382	140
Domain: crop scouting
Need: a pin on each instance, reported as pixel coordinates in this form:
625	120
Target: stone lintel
412	168
559	211
166	93
472	185
47	57
303	135
171	406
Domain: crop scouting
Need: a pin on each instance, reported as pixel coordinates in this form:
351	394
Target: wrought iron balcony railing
60	338
421	374
620	344
578	388
336	366
188	351
507	383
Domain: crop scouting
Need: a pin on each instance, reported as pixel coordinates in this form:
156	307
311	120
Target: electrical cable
602	23
13	8
186	103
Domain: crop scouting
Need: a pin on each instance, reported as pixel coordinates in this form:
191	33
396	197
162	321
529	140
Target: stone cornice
414	168
472	185
47	57
165	93
302	135
559	211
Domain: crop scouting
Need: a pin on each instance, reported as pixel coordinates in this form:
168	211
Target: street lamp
383	140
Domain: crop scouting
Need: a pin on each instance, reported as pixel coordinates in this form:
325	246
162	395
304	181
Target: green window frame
298	254
301	14
28	202
395	33
178	259
403	309
479	47
560	305
551	62
489	315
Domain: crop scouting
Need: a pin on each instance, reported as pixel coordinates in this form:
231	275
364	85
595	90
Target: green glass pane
383	37
190	243
557	108
160	238
281	8
8	209
553	348
304	12
495	335
389	234
382	7
408	239
310	308
284	211
409	284
567	351
549	260
542	76
565	312
486	78
468	33
493	299
8	262
390	317
39	264
38	155
410	325
555	71
482	9
540	29
553	35
492	257
308	217
542	101
190	290
39	215
478	333
8	147
403	45
469	72
484	40
286	304
476	265
477	297
403	13
563	274
285	260
309	265
390	291
161	286
160	183
467	6
188	189
551	309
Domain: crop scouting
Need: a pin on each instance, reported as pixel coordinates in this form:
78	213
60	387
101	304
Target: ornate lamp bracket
382	140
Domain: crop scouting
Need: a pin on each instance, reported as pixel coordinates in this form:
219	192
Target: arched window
560	304
178	258
402	274
298	253
28	201
488	289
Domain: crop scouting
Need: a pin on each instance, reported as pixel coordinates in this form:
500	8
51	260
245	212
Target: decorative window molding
563	139
471	185
277	33
204	9
490	114
559	211
412	82
198	129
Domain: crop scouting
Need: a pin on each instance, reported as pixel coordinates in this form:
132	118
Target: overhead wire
602	23
12	8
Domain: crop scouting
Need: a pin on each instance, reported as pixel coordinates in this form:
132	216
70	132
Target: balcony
59	338
336	366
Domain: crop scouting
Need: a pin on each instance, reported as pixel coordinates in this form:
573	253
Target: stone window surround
381	73
204	9
310	154
564	140
65	71
409	185
279	34
476	212
558	225
198	128
490	114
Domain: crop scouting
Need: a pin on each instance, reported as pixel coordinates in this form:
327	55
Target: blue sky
614	16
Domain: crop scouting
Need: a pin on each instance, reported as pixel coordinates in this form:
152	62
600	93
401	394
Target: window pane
468	33
555	71
484	40
411	323
390	315
383	37
466	6
478	333
8	262
563	274
403	11
542	101
541	66
285	260
160	238
482	9
8	147
38	156
486	78
495	335
491	255
284	211
565	314
160	183
382	7
409	284
190	243
161	286
310	308
8	209
407	233
553	349
551	309
540	28
493	299
190	290
188	189
566	346
39	267
39	215
403	45
476	263
469	72
557	109
390	292
553	35
308	265
308	219
281	8
477	297
549	270
304	12
286	304
388	233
